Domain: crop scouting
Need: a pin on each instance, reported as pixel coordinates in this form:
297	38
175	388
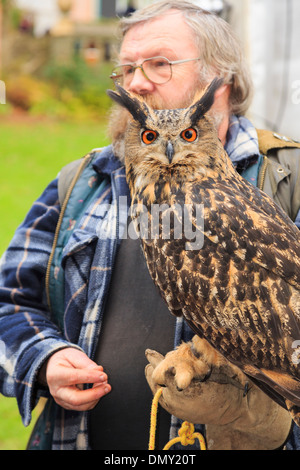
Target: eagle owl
239	290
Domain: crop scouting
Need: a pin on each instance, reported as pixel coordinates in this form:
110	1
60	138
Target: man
112	312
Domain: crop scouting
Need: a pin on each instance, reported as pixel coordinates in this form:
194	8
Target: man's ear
137	108
220	91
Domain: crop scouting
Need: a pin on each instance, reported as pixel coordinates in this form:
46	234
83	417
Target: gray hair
220	51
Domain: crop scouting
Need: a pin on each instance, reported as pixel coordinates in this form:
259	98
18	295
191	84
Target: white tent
271	38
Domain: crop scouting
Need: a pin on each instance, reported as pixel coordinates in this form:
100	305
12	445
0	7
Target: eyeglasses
156	69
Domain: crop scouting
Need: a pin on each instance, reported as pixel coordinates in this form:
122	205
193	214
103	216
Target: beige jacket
279	175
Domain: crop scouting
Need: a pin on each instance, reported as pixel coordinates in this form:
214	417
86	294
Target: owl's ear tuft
136	108
200	108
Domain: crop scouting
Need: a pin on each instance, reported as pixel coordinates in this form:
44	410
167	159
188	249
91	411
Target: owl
234	274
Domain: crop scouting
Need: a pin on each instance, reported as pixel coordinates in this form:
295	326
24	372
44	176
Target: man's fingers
81	400
65	375
76	358
83	376
67	371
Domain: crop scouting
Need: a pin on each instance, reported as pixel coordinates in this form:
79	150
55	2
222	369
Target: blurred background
55	60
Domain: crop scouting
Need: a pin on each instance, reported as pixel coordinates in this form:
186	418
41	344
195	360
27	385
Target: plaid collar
241	141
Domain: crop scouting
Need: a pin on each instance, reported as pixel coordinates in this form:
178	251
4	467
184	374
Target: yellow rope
153	420
186	434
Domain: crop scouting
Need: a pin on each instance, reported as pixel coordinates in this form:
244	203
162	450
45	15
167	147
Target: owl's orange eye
190	135
149	136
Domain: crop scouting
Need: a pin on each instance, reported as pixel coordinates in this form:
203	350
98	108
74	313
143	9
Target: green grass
31	155
13	435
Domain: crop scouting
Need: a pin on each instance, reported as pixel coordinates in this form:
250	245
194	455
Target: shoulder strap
77	181
68	175
269	140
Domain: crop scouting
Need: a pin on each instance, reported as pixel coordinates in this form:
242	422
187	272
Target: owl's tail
282	388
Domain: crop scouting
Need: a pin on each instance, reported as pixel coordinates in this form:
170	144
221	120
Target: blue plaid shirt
28	335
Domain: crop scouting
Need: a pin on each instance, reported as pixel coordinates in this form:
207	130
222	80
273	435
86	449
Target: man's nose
139	83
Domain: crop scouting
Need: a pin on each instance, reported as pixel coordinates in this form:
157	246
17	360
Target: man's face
170	37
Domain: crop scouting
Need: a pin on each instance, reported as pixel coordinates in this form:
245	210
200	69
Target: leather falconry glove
207	389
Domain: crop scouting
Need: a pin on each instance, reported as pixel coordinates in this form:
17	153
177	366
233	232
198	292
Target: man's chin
159	103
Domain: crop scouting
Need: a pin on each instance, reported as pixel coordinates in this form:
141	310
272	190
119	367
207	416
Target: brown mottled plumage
241	290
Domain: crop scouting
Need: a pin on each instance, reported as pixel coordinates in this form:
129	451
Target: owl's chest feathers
154	181
166	186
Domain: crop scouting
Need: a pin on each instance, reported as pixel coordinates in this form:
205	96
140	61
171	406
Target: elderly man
100	311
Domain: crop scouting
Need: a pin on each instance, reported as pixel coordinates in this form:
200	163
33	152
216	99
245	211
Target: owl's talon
246	389
171	371
207	375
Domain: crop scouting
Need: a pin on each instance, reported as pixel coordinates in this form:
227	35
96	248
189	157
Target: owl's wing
245	330
241	289
247	225
278	384
250	269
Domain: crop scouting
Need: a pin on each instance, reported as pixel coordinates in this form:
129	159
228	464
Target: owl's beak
170	151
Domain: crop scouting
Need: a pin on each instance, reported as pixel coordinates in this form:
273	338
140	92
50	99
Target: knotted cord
186	434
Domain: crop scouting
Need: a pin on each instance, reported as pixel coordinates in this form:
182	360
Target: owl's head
170	143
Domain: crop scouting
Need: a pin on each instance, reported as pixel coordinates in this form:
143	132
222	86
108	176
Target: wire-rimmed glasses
156	69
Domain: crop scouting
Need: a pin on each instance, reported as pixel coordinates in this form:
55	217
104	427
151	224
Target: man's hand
200	386
65	373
